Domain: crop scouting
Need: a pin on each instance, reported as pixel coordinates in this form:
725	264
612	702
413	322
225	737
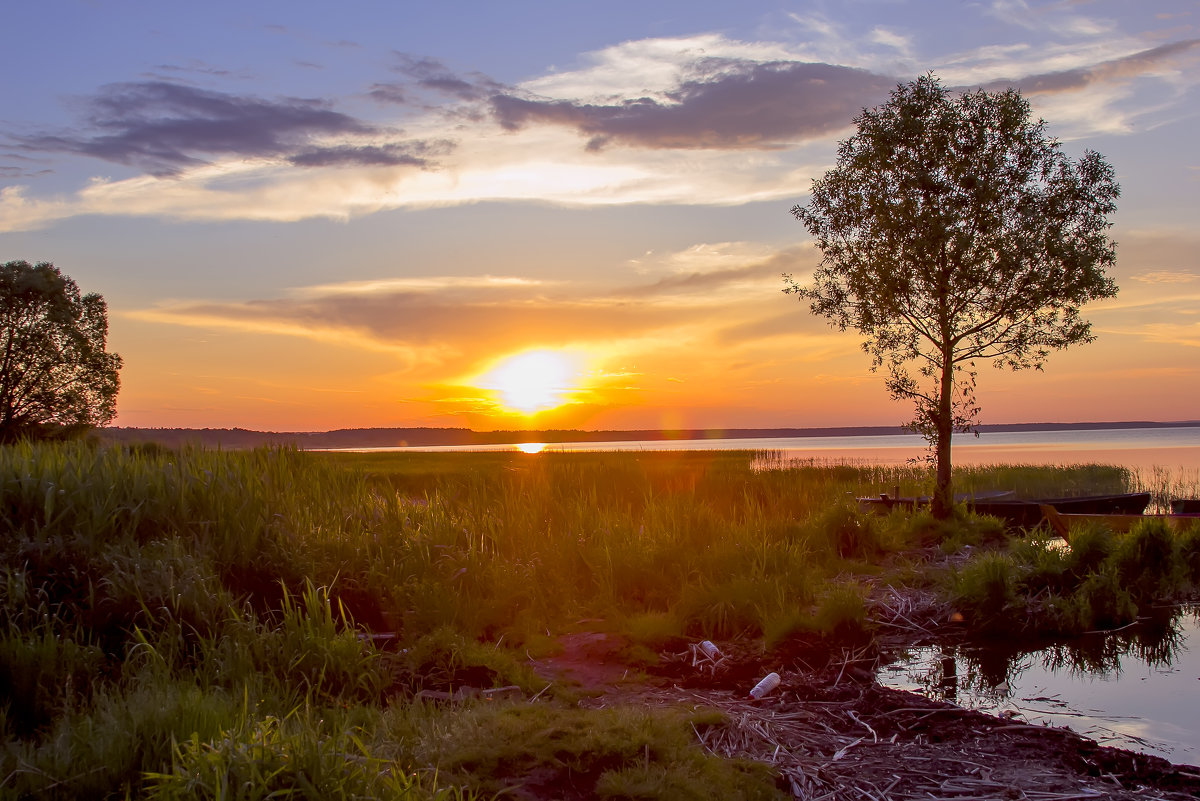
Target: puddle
1137	689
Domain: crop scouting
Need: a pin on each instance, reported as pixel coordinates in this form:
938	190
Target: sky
307	216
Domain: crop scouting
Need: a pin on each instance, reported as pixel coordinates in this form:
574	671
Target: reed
181	623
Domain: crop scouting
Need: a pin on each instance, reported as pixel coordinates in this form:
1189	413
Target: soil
832	732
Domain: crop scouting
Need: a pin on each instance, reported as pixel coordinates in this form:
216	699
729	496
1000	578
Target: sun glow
533	381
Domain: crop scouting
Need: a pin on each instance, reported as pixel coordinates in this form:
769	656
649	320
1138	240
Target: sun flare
533	381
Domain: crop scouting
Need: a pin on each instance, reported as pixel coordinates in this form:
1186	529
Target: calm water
1136	690
1176	449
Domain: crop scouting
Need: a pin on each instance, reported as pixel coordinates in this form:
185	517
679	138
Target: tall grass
187	623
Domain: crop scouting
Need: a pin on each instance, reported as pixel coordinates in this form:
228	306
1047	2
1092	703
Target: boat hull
1061	523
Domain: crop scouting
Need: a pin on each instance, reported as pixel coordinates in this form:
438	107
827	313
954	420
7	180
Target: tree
954	230
55	375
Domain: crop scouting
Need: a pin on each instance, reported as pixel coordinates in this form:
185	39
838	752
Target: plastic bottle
769	683
710	650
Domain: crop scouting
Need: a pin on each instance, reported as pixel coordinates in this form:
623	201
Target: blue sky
308	216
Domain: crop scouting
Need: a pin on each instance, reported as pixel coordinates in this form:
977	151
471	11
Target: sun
533	381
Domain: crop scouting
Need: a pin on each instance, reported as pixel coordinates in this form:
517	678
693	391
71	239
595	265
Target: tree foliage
55	374
953	230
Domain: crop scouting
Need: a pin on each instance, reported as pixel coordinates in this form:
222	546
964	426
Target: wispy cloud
455	314
432	74
1159	277
1060	18
1118	70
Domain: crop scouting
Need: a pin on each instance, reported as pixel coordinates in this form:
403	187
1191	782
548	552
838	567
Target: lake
1176	449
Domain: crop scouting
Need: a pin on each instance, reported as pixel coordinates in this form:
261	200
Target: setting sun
533	381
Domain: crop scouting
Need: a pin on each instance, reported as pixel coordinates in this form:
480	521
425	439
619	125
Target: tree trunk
943	498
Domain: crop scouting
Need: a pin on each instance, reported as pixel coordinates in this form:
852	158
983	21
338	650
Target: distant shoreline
237	438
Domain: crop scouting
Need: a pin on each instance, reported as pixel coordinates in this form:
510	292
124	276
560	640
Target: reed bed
198	623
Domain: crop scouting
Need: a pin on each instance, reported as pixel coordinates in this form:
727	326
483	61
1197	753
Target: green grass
185	624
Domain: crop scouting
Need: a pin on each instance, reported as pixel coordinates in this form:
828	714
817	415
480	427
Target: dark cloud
433	75
163	127
1114	71
739	105
410	153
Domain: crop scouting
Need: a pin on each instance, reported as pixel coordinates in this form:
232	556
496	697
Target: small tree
55	375
953	229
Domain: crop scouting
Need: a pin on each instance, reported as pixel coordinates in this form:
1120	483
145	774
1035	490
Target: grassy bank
186	624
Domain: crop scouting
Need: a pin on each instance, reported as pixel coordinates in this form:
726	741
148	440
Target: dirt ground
833	732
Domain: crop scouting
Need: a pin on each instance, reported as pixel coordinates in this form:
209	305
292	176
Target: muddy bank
833	733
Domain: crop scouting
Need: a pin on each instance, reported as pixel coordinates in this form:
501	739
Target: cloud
431	74
164	127
393	93
695	120
470	314
739	104
1187	335
1112	71
1166	277
1055	17
733	270
391	155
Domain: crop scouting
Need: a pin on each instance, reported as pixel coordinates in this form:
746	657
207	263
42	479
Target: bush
985	591
1145	562
1090	545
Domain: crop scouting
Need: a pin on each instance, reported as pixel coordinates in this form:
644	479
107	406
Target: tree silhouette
55	375
953	229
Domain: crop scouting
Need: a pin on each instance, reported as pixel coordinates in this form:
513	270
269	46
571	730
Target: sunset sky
308	215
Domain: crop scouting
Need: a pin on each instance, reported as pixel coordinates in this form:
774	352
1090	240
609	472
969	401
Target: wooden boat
886	503
1027	513
1021	513
1185	506
1062	522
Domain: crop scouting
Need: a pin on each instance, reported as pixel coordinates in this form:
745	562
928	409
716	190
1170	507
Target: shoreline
355	438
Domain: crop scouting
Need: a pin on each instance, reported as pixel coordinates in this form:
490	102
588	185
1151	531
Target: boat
1062	522
1185	506
1026	513
1021	512
885	503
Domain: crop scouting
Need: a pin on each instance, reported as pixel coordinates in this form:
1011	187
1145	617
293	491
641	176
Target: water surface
1137	689
1175	448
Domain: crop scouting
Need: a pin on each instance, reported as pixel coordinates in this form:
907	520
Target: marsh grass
186	624
1100	580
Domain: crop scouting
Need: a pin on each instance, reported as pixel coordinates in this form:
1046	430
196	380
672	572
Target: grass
185	624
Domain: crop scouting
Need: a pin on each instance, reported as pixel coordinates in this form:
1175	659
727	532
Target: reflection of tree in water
983	673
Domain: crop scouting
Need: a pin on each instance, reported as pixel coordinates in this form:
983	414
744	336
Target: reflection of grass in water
984	676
